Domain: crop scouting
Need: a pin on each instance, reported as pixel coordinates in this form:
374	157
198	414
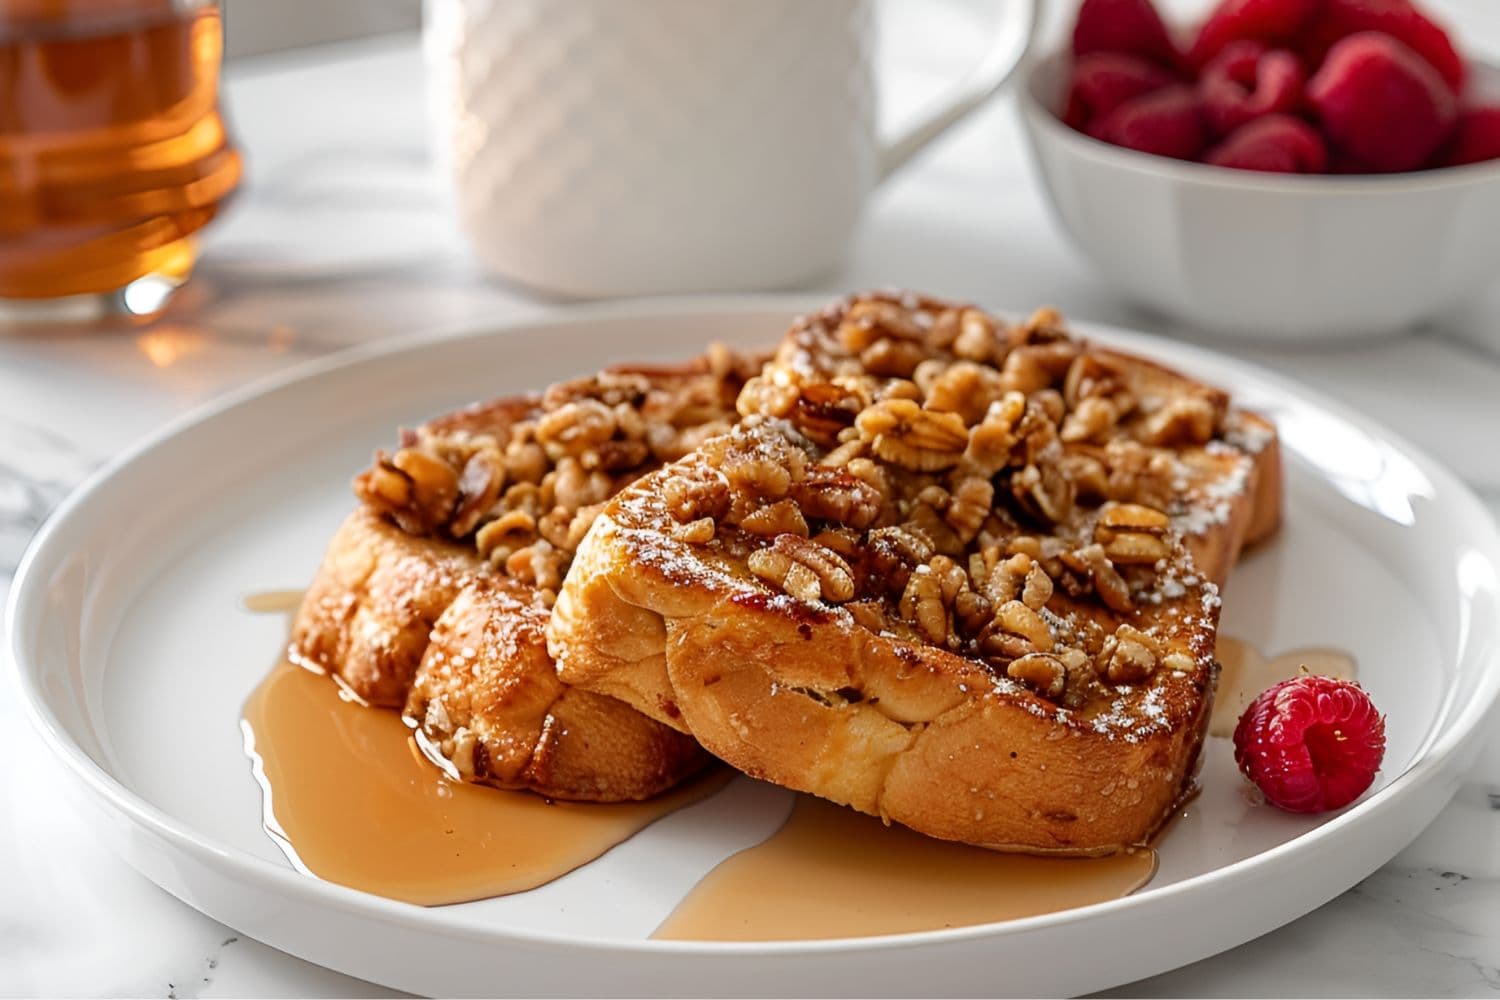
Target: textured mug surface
607	148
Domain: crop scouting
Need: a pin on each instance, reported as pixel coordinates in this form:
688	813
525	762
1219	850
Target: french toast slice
433	595
954	573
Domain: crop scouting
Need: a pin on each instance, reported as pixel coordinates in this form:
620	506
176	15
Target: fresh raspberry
1338	19
1382	102
1102	81
1274	143
1269	21
1476	138
1248	81
1129	26
1167	122
1311	744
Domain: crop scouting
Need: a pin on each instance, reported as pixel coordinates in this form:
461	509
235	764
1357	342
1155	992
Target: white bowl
1268	256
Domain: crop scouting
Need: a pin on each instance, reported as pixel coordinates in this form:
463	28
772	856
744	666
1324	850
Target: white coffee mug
626	147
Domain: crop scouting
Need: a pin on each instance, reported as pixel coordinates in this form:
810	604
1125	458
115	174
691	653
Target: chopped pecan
944	331
434	484
804	569
892	358
781	517
1038	588
575	486
1042	672
845	541
699	532
993	439
582	521
539	564
922	605
478	488
1179	421
1091	377
823	410
972	611
525	461
509	532
1051	403
1132	534
838	496
1129	655
1091	420
696	492
1108	583
1018	619
616	456
927	374
903	433
869	320
1043	326
965	388
1004	578
978	339
758	474
950	575
764	397
1090	479
1037	366
1045	489
575	427
845	453
968	507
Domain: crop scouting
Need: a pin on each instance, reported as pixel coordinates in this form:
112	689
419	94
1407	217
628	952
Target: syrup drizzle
831	872
1246	672
350	798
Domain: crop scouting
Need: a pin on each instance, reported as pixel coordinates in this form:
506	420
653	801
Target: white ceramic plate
135	657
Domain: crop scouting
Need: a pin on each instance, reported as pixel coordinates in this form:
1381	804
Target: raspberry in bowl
1245	181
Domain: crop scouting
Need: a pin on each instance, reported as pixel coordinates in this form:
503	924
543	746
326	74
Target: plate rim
1460	730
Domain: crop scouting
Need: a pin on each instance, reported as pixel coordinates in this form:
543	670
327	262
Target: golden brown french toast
958	574
434	594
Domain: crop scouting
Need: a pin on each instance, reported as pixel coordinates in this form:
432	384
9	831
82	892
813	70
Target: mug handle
986	80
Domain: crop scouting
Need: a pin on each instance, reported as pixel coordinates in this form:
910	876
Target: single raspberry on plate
1129	26
1476	138
1382	102
1270	21
1102	81
1311	743
1247	81
1274	143
1337	19
1168	122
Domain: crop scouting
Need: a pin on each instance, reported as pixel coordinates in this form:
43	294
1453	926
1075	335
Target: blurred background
258	26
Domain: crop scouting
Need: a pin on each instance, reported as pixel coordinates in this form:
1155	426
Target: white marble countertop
341	236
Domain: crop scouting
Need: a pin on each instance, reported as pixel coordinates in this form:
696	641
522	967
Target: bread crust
406	613
803	692
367	616
807	698
489	704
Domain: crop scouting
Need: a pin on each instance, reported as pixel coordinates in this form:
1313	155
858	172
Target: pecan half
804	569
903	433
